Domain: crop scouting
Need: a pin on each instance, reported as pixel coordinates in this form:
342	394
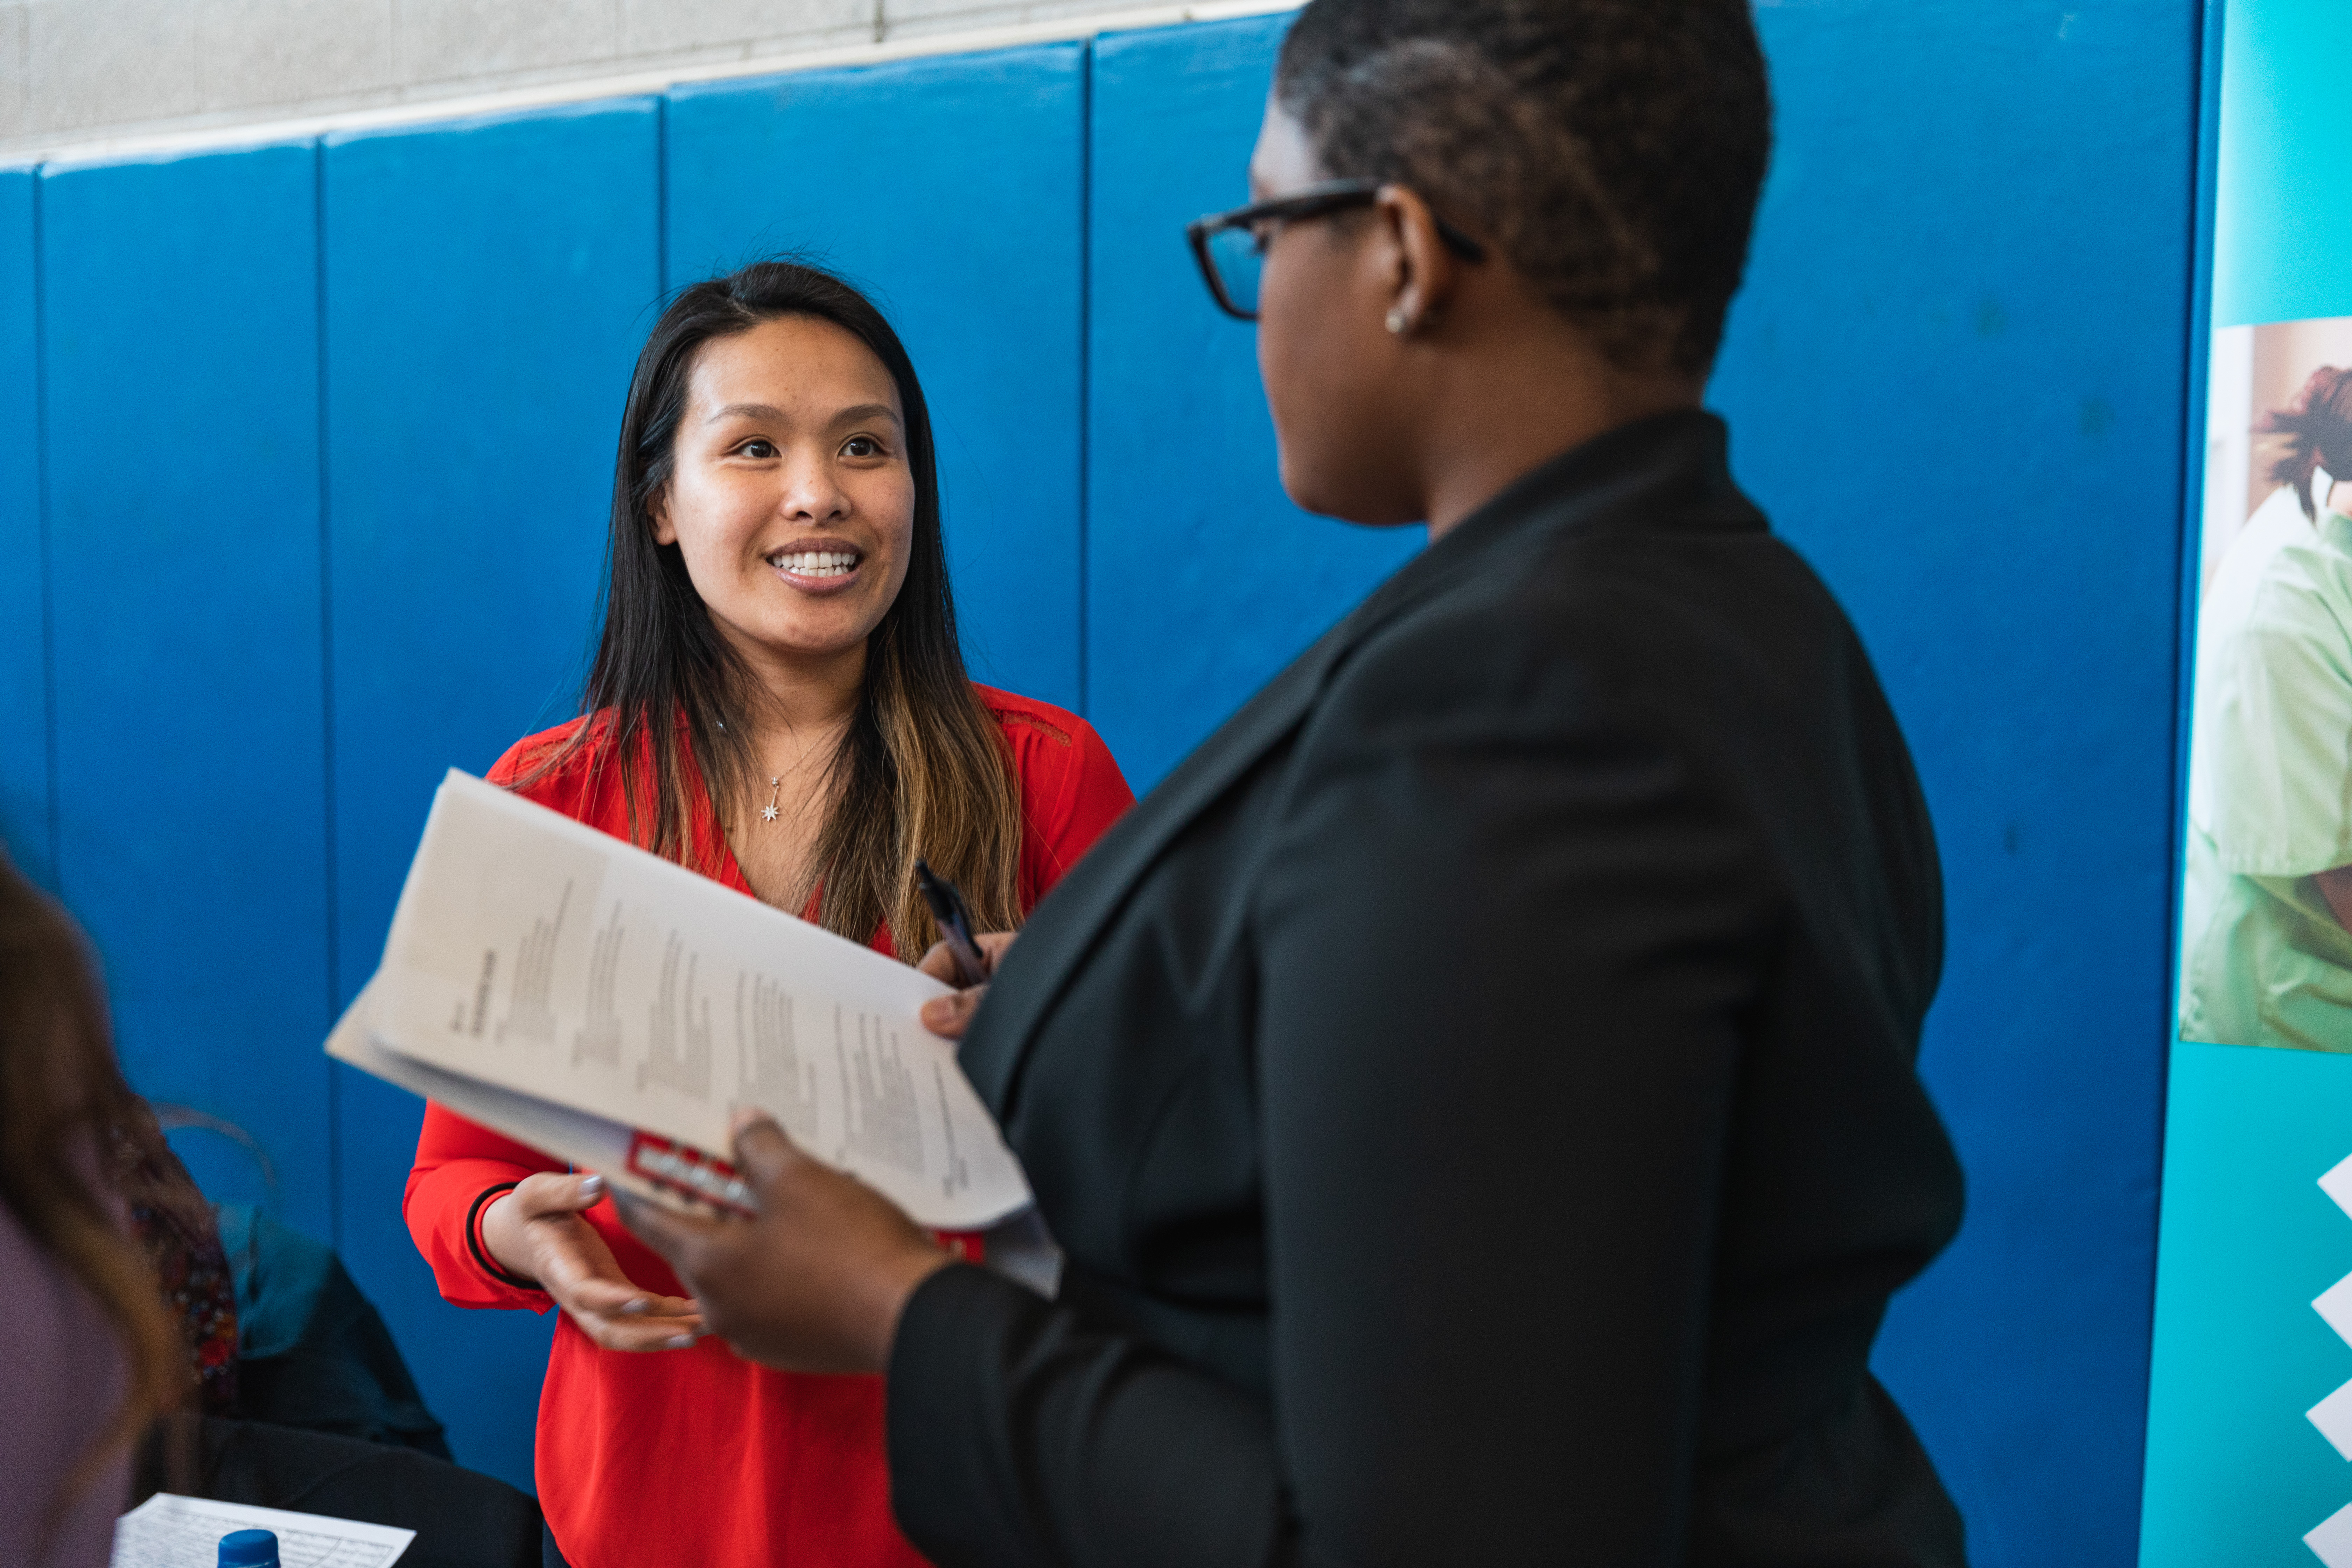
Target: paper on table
538	954
173	1531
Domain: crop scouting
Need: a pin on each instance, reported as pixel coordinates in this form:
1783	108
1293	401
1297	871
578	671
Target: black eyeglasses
1230	247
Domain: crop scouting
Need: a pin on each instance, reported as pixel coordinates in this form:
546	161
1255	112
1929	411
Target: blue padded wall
486	285
1202	579
24	617
1955	380
952	188
181	318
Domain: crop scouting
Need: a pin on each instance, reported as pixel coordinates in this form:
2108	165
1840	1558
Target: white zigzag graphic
2331	1542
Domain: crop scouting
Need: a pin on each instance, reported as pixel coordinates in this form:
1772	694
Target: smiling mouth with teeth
816	563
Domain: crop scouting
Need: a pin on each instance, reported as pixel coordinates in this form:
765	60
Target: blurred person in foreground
1476	1092
92	1356
121	1378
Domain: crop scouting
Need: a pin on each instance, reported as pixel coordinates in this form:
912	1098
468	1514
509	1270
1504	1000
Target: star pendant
767	813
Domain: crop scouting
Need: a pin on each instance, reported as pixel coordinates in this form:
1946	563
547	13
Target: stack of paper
610	1008
173	1531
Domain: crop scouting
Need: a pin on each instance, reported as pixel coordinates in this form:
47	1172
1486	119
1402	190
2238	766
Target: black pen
955	924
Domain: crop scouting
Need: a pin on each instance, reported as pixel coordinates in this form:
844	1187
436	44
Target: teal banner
2250	1419
2282	196
2237	1471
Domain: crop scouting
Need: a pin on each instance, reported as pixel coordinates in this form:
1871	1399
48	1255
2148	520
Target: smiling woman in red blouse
778	703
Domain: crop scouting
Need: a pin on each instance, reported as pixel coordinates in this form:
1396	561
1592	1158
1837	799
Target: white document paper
171	1532
591	1142
1019	1247
536	954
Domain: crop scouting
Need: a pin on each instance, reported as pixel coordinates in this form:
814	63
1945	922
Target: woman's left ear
1423	268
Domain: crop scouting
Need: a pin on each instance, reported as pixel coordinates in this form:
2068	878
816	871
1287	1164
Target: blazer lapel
1066	923
1662	467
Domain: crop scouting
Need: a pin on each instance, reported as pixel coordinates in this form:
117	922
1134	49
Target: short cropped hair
1612	149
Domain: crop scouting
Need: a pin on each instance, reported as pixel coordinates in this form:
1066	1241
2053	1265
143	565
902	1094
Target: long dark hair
64	1108
922	769
2313	432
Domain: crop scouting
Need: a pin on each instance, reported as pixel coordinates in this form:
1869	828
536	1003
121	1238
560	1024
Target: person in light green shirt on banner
2266	915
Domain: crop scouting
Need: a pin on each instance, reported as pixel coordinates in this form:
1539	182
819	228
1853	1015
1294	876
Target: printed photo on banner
2266	908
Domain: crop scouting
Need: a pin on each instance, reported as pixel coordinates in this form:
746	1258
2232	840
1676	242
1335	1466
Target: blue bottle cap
249	1549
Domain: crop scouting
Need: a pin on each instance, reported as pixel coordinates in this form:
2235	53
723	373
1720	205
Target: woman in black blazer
1476	1092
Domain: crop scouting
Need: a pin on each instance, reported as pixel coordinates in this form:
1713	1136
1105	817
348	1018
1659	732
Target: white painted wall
93	76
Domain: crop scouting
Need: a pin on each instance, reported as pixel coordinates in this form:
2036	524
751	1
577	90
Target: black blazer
1476	1092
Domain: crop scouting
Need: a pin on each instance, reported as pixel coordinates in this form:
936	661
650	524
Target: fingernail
593	1187
681	1342
635	1309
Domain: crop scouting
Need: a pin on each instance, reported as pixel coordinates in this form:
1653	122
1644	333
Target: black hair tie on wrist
491	1266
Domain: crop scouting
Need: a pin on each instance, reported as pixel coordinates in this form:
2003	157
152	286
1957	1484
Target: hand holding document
611	1008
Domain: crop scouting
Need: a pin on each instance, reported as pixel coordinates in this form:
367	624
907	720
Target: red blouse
694	1456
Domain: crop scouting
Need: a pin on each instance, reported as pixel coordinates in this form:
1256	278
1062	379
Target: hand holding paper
817	1281
949	1016
612	1008
537	1232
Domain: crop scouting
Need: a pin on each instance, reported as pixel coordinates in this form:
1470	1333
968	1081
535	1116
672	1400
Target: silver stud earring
1397	323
